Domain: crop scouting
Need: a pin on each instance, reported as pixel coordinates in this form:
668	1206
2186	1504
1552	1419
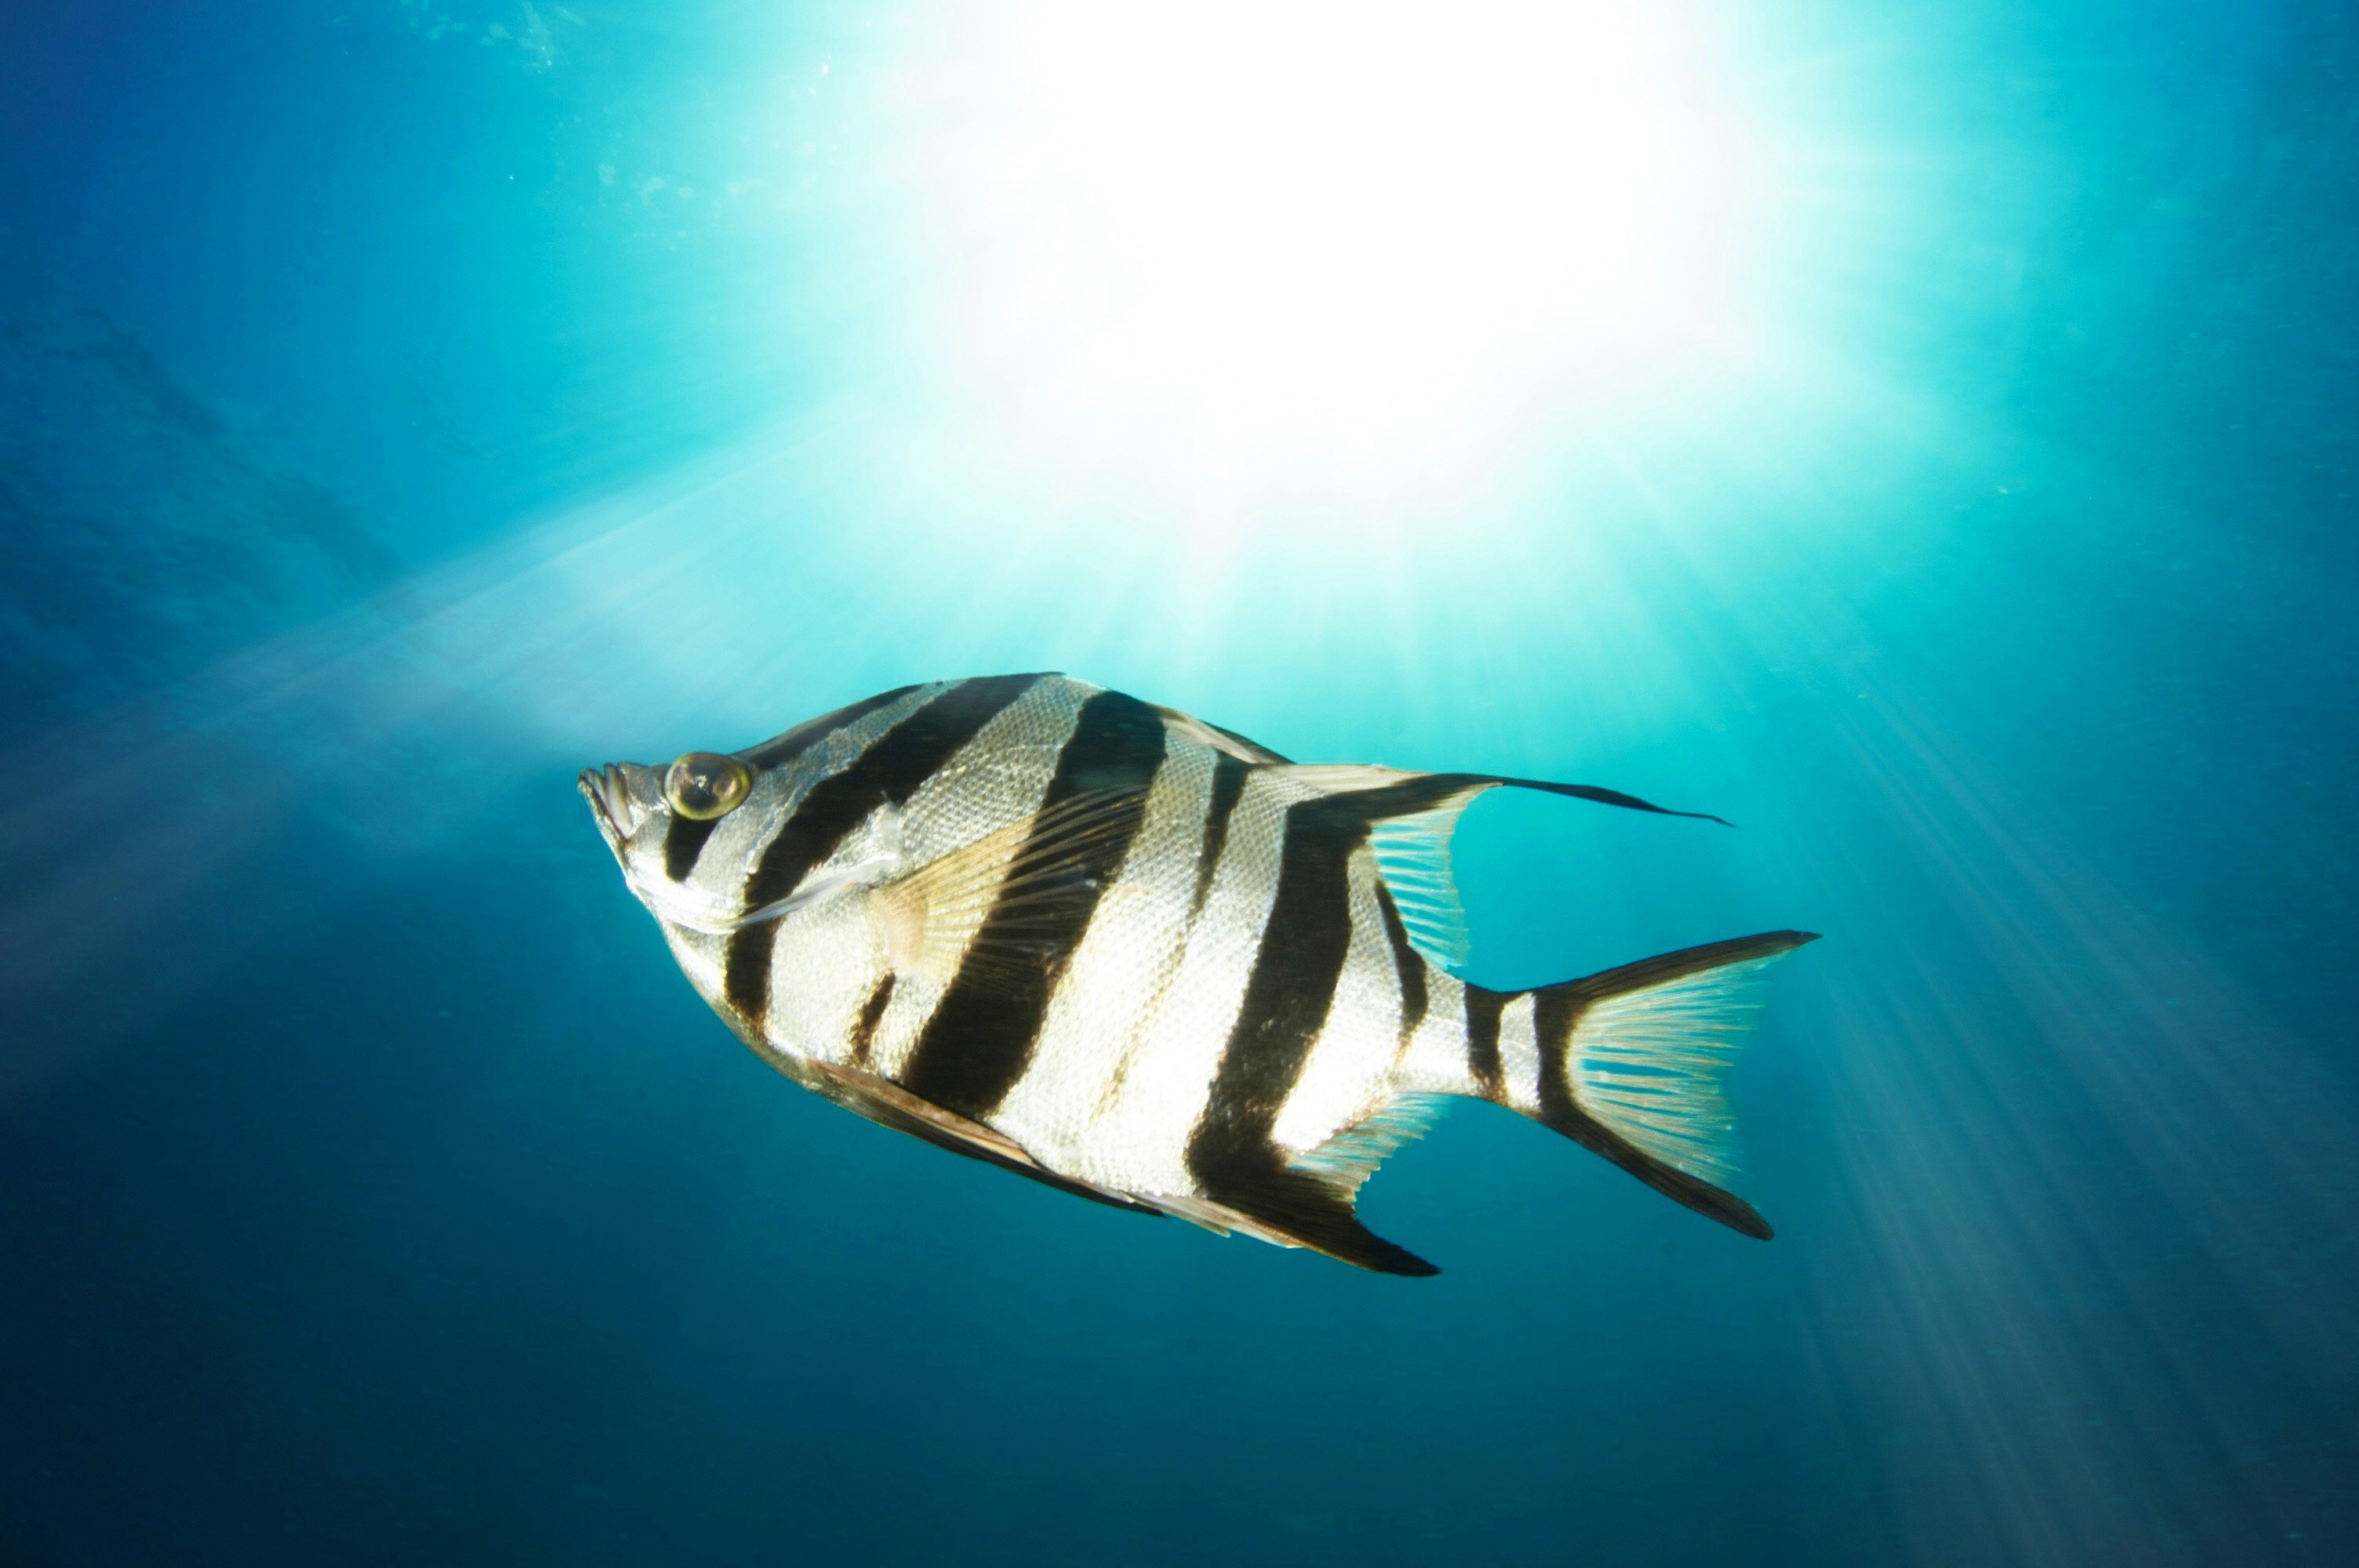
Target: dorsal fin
1351	778
1220	740
1411	817
1413	857
1394	792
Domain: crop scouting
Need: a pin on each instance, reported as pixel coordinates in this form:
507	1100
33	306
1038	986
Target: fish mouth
610	803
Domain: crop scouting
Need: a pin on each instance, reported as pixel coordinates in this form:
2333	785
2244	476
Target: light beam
1304	242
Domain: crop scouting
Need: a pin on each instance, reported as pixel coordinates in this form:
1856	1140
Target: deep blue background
371	1188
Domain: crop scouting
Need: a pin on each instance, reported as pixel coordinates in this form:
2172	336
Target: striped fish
1149	962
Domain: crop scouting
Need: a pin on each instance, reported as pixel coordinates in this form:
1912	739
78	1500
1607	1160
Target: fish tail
1632	1063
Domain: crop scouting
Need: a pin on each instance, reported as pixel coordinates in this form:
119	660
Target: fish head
654	819
627	801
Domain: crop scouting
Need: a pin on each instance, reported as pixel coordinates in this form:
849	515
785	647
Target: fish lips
608	791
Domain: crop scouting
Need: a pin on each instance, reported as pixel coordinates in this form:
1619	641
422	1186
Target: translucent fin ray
1020	880
1653	1065
1413	857
1346	1161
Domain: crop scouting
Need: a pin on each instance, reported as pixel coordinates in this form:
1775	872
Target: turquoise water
1922	438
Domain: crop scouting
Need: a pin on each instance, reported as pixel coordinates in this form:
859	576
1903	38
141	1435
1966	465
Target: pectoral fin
993	903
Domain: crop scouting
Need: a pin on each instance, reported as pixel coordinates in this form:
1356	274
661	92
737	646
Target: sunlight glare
1331	234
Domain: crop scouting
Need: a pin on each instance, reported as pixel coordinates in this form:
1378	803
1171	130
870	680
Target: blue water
378	447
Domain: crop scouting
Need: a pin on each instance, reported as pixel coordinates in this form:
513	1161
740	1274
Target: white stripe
1519	1055
699	955
1435	1062
823	965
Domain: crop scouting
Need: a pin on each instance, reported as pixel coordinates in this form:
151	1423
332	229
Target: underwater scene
1074	783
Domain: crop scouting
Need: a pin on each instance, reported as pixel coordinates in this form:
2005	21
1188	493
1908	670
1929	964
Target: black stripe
863	1033
1555	1010
889	770
1232	1152
1228	783
685	837
981	1036
785	748
1290	989
1482	1010
684	840
1408	963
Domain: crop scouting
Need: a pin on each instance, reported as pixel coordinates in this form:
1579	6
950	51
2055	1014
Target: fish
1151	963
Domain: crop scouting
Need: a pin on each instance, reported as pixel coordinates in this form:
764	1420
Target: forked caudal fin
1632	1061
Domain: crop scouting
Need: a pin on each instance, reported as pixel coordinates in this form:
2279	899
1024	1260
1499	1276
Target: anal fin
1347	1159
1303	1208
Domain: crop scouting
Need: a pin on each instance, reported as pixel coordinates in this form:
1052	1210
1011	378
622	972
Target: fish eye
702	785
